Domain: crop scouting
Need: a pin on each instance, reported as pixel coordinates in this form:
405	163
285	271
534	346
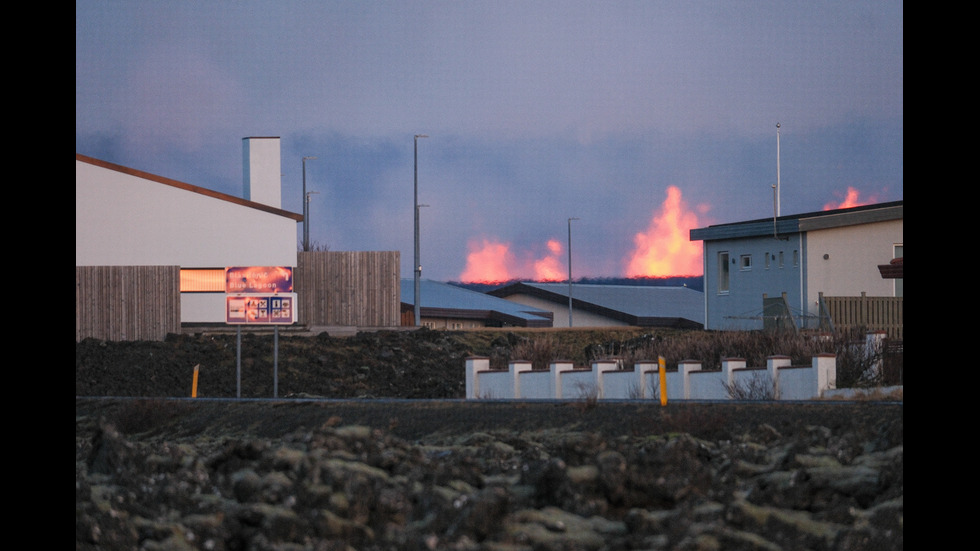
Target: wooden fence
348	288
126	303
864	312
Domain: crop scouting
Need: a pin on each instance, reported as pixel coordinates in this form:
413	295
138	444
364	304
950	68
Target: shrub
856	366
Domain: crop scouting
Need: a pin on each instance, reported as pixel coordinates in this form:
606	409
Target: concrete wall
605	380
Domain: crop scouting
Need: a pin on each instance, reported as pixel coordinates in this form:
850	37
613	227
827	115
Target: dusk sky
642	119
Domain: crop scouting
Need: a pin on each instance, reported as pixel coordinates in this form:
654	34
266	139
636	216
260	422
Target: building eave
187	187
784	225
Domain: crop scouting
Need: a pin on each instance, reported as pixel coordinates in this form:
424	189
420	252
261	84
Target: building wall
121	219
740	307
450	323
853	254
580	318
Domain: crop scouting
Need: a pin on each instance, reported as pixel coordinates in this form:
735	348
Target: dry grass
856	367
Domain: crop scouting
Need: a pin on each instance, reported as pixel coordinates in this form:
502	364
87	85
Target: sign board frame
258	279
256	309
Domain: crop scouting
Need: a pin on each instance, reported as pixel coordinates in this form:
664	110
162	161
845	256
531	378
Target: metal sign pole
239	359
275	364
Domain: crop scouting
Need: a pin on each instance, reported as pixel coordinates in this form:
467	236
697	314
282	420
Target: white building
610	305
834	252
125	217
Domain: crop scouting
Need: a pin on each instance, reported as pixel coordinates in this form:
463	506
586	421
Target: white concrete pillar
599	368
826	368
645	369
685	367
773	363
475	365
728	367
516	368
557	368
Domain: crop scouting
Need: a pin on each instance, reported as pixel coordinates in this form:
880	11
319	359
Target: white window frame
724	273
745	263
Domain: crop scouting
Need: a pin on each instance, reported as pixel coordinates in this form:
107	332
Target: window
746	262
796	258
780	259
202	280
767	259
723	272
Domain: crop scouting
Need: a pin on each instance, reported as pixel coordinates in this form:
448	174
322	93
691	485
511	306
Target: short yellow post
663	380
194	386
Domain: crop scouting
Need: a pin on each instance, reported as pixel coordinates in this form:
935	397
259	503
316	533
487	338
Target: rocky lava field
369	445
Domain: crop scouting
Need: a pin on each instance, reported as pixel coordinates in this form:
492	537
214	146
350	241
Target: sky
615	127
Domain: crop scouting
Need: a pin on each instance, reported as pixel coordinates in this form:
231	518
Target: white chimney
262	171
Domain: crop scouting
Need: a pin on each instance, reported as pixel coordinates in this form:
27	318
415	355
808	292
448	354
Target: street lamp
570	271
418	265
306	209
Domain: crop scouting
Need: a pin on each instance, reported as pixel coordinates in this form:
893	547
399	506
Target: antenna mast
775	187
777	169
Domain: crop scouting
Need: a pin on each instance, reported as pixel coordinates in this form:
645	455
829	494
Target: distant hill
694	282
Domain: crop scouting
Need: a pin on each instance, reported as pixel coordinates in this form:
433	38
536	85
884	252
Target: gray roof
797	223
444	300
641	305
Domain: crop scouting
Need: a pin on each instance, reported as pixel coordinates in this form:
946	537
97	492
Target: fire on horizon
663	249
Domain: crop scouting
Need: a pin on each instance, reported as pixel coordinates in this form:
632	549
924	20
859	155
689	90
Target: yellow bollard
663	380
194	386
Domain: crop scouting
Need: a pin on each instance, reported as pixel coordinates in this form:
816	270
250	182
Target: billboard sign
261	309
259	279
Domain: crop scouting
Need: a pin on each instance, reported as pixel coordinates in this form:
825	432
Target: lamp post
570	271
306	209
418	265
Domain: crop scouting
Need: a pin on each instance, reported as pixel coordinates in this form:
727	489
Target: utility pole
570	270
306	209
418	265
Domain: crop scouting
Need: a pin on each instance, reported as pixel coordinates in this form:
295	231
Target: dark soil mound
384	364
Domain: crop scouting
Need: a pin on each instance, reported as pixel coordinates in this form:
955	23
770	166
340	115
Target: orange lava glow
488	261
665	248
491	261
550	268
852	199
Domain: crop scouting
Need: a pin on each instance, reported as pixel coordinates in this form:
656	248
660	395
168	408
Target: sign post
260	295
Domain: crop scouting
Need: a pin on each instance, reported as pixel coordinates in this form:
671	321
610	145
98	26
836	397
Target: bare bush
857	367
588	395
540	351
759	387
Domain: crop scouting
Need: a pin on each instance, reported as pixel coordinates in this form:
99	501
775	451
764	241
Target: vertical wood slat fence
348	288
864	312
126	303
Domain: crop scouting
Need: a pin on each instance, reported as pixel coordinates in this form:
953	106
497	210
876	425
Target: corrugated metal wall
126	303
348	288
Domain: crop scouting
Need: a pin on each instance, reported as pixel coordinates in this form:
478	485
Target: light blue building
757	267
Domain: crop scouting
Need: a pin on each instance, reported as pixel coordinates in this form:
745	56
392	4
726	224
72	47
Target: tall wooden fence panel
864	312
348	288
127	303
